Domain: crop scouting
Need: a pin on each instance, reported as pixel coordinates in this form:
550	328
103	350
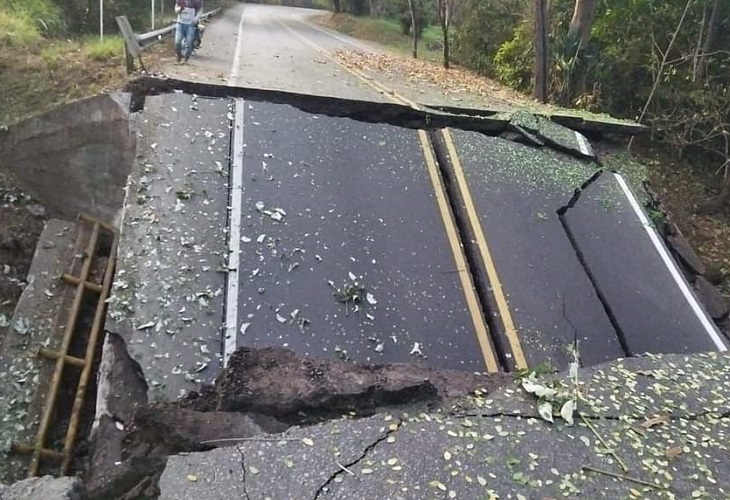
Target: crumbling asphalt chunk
257	397
713	300
682	249
275	381
539	130
302	460
45	487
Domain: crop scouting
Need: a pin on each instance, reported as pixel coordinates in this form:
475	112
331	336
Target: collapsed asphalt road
359	239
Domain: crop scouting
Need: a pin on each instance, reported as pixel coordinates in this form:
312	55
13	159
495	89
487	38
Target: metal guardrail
135	44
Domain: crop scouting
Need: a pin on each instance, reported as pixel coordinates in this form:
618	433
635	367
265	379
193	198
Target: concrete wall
74	158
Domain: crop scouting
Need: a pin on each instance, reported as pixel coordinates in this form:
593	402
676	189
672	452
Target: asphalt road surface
374	242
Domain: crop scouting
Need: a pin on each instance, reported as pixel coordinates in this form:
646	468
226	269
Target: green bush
481	29
17	30
44	14
514	61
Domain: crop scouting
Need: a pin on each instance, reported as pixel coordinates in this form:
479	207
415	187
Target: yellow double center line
467	284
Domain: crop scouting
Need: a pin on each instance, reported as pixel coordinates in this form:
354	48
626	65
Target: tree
706	39
445	10
541	51
337	6
412	7
580	25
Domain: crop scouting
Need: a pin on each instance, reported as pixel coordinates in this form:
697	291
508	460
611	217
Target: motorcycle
197	38
199	29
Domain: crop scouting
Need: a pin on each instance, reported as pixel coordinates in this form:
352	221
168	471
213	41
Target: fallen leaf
673	452
654	421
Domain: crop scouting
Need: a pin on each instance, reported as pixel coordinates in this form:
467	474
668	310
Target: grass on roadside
17	30
386	32
51	72
103	50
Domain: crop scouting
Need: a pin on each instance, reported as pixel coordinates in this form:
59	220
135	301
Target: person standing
188	12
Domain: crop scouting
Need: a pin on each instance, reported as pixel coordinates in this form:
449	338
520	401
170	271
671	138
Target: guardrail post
132	49
135	44
129	60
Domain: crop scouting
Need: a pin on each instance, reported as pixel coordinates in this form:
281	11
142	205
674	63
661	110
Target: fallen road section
347	244
497	446
507	195
644	292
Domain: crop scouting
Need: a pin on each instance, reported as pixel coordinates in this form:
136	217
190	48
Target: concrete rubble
45	488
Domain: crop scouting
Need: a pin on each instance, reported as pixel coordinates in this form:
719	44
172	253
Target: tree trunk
337	7
709	41
696	61
582	21
414	28
444	8
446	47
541	51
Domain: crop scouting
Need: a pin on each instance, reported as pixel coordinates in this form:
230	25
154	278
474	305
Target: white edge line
672	267
583	144
233	77
234	235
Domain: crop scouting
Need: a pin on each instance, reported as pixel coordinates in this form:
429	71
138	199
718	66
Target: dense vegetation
665	63
23	21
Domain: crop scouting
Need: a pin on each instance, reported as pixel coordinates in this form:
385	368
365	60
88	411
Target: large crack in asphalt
243	472
475	264
610	314
345	468
363	111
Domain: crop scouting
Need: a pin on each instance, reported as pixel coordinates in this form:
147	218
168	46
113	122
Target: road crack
243	472
345	468
716	415
586	268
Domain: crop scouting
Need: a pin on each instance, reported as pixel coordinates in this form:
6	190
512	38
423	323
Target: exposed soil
22	220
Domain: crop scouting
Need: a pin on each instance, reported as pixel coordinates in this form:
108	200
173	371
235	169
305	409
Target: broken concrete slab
121	389
303	458
165	430
129	454
167	297
540	130
664	439
37	322
682	249
516	190
714	301
75	158
46	487
650	302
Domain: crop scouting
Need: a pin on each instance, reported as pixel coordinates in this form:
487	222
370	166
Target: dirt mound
22	222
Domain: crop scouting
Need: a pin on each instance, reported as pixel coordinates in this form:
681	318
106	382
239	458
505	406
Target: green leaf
566	412
545	410
538	390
